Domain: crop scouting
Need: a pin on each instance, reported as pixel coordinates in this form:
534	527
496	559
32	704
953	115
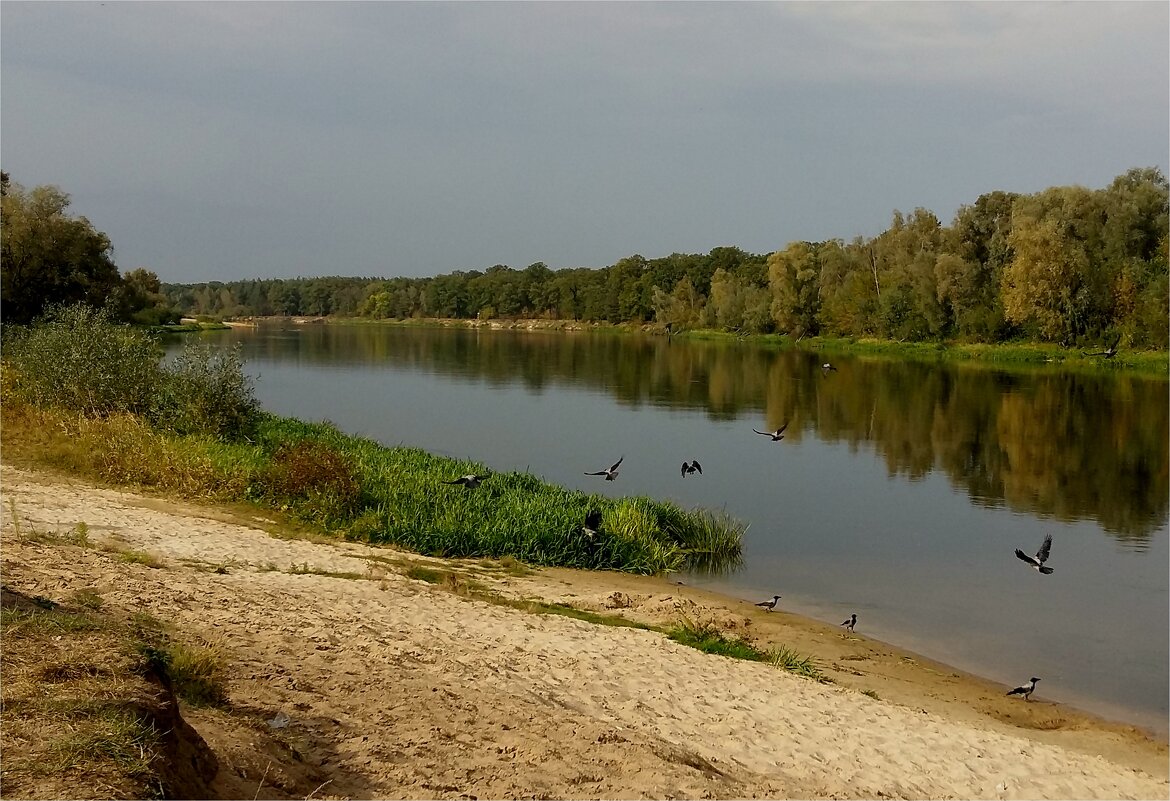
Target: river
899	492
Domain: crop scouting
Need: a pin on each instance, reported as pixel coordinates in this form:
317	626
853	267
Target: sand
397	688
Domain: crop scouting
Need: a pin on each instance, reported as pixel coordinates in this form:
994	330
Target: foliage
77	358
48	257
1067	264
204	389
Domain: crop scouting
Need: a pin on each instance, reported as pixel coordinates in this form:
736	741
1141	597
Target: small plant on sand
708	637
140	558
784	657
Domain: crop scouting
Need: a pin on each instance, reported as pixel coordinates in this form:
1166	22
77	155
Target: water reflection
1074	446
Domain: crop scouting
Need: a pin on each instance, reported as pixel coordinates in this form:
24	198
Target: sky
223	141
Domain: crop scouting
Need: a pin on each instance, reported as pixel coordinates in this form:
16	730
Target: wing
1042	554
765	433
456	481
603	473
1045	569
781	429
615	465
1029	559
684	470
593	520
695	464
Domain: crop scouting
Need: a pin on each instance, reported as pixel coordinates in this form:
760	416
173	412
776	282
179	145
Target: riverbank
347	640
1007	355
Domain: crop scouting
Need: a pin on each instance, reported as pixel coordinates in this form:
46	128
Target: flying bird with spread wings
1037	561
776	435
609	474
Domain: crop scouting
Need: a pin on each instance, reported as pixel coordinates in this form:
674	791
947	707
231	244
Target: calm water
899	492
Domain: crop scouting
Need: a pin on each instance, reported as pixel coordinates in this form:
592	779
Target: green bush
80	359
204	391
77	358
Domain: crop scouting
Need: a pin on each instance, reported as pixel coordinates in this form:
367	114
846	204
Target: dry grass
81	695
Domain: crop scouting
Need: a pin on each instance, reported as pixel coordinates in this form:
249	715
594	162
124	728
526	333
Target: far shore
1004	355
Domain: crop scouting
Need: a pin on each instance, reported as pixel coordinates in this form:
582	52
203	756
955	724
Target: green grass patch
706	636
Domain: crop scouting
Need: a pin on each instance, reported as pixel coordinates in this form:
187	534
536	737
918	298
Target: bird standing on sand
776	435
769	605
850	623
694	466
1037	561
609	474
1026	690
471	482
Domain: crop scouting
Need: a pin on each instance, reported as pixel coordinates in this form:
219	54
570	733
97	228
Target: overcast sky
217	141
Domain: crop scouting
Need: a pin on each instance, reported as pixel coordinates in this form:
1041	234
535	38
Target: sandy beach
398	688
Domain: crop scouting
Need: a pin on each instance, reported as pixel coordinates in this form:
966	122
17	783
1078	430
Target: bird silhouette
693	467
827	368
609	474
776	435
851	622
1025	690
1037	561
1110	351
769	605
592	524
471	482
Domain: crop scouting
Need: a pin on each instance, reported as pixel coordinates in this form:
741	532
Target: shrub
314	477
77	358
204	390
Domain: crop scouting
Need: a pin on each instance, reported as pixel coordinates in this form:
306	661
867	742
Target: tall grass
192	428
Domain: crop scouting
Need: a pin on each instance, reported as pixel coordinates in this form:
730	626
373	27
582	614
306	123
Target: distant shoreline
999	355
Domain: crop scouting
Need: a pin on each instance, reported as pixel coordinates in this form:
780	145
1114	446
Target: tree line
1068	264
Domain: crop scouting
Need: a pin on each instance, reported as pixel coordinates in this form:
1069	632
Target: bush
77	358
315	478
204	391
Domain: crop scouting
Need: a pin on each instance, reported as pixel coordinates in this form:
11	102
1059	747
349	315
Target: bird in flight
776	435
827	368
769	605
471	482
693	467
1040	558
592	523
851	622
1026	690
609	474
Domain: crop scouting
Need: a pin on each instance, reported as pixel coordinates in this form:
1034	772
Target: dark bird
1040	558
776	435
1110	351
827	368
1026	690
609	474
592	523
693	467
850	623
471	482
769	605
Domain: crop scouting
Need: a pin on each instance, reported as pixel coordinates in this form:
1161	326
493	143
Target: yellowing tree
1042	285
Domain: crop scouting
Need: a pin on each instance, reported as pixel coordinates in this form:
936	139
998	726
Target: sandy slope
398	688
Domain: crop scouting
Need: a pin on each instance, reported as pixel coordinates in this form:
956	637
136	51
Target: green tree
47	256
